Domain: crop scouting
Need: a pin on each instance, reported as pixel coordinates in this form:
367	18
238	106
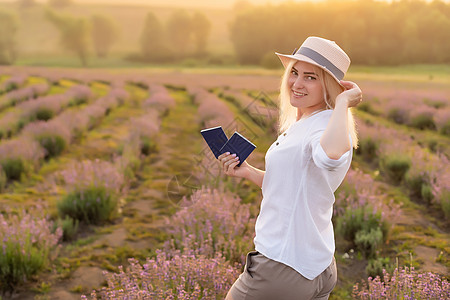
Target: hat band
321	60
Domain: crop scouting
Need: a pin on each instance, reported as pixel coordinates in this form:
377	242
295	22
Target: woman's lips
298	94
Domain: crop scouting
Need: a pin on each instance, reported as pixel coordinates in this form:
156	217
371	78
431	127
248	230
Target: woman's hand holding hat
352	93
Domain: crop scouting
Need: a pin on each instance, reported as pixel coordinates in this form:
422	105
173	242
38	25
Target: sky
185	3
188	3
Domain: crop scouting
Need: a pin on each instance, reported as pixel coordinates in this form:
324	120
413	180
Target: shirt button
277	143
284	134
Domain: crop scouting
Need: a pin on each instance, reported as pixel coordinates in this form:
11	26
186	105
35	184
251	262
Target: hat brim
285	58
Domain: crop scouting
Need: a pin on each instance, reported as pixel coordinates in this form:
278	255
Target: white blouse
294	224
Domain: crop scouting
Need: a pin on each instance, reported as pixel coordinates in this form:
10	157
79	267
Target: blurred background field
235	33
103	169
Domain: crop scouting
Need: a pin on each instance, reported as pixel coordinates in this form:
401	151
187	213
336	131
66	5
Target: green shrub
445	203
414	183
359	219
13	168
395	167
426	193
11	86
69	227
445	129
3	180
376	266
54	145
398	116
92	205
44	114
433	103
363	228
27	245
368	149
367	107
433	145
148	146
423	121
368	241
20	125
78	101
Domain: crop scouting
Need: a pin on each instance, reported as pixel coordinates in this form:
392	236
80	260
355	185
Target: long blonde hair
331	89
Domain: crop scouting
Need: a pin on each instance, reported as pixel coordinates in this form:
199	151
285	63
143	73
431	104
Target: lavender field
108	190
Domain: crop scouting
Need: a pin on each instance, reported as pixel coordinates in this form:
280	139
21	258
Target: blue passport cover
219	143
215	137
240	145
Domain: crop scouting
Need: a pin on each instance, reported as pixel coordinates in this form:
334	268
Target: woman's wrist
342	100
255	175
248	172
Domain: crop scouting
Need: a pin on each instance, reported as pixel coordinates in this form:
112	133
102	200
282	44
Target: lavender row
209	223
212	111
176	276
93	189
139	142
202	258
261	113
402	161
403	283
42	108
23	94
28	244
419	108
159	98
45	139
12	83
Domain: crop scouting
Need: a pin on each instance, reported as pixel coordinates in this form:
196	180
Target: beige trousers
266	279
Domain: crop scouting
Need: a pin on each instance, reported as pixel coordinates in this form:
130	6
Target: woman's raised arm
335	140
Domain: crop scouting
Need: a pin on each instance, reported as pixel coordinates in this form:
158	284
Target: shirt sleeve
321	159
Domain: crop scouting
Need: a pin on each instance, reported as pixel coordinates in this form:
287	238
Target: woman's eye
294	72
310	78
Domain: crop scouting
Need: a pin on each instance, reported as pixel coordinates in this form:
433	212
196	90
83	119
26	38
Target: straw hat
323	53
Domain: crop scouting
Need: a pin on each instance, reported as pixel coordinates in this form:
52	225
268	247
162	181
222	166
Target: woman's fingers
349	84
346	84
353	93
231	163
232	166
228	161
223	155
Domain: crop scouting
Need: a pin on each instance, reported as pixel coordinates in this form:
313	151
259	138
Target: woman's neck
305	115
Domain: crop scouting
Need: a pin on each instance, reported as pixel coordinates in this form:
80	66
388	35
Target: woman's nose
298	83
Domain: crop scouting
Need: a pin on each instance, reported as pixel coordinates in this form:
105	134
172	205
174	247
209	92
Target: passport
219	143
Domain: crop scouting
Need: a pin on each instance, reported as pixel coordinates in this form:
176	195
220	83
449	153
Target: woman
294	242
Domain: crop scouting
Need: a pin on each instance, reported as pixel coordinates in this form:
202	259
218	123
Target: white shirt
294	224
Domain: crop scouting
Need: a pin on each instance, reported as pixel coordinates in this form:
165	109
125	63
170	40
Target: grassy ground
439	74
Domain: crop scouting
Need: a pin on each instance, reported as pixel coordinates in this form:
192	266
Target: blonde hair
331	89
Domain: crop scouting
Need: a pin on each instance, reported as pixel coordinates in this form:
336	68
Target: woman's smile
299	94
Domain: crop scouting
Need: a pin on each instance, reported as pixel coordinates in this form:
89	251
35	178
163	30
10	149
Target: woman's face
306	91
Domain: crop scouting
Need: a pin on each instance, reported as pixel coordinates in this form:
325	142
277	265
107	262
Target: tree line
182	36
371	32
